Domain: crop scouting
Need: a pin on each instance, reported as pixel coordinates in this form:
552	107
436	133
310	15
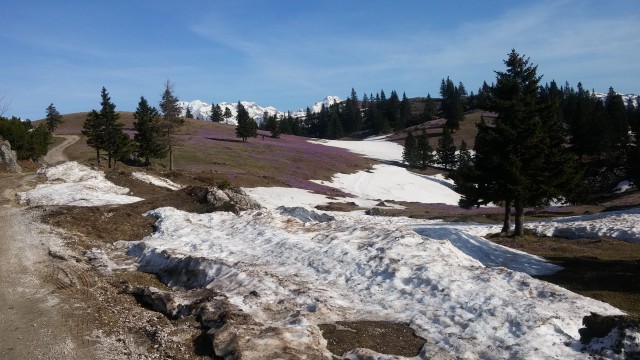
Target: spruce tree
53	118
335	130
171	119
216	113
227	115
520	159
150	138
115	141
93	129
464	157
410	153
446	150
430	110
188	113
452	106
425	151
246	127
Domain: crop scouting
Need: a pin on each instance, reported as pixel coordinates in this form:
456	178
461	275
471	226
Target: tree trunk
519	207
506	225
170	157
98	157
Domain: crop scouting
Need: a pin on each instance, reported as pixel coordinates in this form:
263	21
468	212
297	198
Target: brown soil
379	336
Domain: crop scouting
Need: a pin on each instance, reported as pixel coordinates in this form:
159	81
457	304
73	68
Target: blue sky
290	54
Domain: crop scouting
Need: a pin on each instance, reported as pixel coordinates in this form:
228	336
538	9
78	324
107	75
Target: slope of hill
212	148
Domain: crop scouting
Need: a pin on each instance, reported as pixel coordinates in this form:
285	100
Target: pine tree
227	115
247	127
171	119
188	113
150	138
216	113
430	110
404	117
464	157
452	105
93	129
115	141
425	151
520	160
410	153
276	129
53	118
335	130
446	150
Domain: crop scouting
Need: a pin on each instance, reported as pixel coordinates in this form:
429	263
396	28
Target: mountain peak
202	110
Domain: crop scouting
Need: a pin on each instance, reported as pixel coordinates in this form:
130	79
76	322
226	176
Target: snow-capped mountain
202	110
625	97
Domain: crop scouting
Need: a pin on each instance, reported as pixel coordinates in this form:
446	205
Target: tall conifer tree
150	138
171	119
53	118
520	159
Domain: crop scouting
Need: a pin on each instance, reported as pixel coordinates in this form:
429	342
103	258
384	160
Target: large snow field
470	297
74	184
370	268
383	182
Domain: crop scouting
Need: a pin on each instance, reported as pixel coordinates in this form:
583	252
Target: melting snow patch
622	225
375	148
364	268
387	182
74	184
157	181
622	186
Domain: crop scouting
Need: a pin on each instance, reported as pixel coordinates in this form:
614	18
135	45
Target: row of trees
418	153
545	143
374	114
156	131
156	134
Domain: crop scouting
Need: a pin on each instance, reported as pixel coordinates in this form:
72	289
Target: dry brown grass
603	269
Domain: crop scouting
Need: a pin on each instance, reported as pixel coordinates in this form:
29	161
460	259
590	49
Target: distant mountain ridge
202	110
625	97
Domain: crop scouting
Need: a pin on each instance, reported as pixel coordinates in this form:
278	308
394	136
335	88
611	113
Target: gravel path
35	322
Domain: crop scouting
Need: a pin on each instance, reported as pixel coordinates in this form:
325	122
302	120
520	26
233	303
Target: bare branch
5	105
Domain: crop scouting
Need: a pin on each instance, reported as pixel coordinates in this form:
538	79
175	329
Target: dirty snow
372	268
74	184
273	197
471	298
155	180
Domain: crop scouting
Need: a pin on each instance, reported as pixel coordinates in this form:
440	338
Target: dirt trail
34	321
56	154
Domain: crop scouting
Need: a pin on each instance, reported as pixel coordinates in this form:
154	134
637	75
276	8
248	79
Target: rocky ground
56	305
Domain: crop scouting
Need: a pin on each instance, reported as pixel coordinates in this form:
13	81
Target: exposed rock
8	157
229	199
177	304
232	333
